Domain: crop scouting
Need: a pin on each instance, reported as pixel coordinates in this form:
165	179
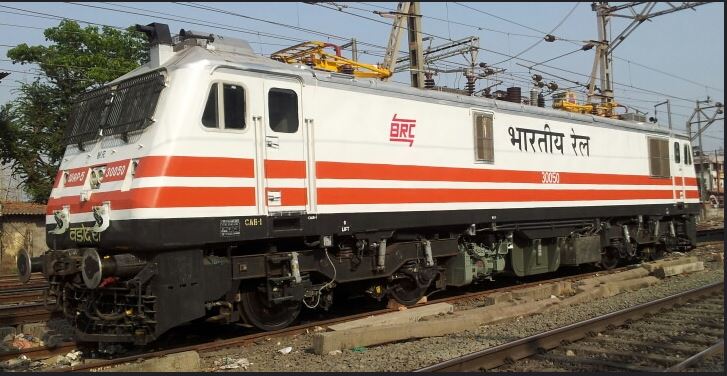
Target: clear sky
678	56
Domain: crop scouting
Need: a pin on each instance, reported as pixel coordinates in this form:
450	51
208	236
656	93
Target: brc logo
402	130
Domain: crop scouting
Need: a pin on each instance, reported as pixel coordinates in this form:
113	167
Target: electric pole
709	120
416	53
412	12
604	48
392	47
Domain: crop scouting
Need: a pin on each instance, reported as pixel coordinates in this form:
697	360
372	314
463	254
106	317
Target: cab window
676	152
687	155
283	110
228	113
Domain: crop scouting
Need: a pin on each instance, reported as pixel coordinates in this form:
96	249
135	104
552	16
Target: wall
18	232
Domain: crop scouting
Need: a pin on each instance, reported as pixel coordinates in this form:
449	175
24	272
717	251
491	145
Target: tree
77	59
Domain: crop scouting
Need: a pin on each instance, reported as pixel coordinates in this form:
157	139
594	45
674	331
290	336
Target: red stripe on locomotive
343	196
181	166
342	170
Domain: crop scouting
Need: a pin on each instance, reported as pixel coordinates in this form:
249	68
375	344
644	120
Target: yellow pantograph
312	54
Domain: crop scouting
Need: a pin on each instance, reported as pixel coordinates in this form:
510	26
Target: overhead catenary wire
541	39
456	23
373	54
518	58
669	74
614	56
277	36
47	15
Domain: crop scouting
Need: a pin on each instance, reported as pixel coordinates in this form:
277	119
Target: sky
678	56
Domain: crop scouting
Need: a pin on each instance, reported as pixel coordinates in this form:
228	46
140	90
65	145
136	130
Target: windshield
126	107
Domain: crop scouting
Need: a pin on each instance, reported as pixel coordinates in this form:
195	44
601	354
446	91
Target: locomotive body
214	183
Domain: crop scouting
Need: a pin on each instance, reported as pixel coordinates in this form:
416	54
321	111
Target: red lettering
402	130
394	130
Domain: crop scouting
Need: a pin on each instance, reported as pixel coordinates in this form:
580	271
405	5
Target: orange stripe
278	169
341	170
343	196
164	197
195	167
692	194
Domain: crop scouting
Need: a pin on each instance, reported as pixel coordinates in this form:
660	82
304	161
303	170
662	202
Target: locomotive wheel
609	258
266	315
406	291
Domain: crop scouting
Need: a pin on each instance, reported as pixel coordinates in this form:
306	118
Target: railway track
10	282
710	235
697	313
254	337
24	313
21	295
299	329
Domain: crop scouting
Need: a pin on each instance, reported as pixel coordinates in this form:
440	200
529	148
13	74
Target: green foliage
77	59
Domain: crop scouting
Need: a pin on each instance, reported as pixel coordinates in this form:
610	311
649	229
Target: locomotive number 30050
551	177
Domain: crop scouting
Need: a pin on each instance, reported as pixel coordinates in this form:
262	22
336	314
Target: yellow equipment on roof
567	101
312	54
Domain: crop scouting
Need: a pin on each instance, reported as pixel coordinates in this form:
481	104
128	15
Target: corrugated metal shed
21	208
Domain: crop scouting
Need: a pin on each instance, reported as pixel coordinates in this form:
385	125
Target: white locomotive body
221	183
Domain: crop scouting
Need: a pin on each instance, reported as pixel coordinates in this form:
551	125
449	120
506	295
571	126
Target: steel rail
496	356
717	347
40	352
710	235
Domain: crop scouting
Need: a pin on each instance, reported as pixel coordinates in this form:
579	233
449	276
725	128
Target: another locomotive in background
215	183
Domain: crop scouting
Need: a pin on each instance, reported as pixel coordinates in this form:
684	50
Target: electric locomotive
213	183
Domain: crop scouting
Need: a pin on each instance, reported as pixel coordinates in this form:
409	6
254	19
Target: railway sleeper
596	362
600	351
655	343
701	323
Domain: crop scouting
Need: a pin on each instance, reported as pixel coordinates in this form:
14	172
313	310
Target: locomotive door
285	157
678	168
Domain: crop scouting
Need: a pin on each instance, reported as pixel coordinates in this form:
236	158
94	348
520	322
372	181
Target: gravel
414	354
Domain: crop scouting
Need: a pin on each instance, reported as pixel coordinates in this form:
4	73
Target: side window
234	104
687	155
283	110
659	158
232	107
676	152
209	116
484	142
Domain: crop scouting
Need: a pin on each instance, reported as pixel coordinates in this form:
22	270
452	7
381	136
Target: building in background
22	226
710	174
